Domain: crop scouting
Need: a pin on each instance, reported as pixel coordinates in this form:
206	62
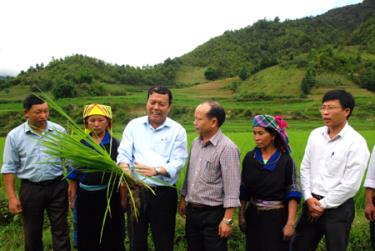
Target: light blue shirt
24	154
165	146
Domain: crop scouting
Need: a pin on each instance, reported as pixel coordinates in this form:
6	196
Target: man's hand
225	230
315	208
15	206
72	192
144	170
182	207
125	168
370	211
243	224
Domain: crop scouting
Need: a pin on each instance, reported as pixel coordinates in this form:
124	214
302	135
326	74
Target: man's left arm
357	158
177	159
230	170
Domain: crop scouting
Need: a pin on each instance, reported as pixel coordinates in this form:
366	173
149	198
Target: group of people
153	150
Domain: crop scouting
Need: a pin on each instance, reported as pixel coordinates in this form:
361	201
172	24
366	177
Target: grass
239	132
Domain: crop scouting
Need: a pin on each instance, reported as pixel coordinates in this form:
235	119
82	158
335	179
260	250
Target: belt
202	206
317	196
43	183
267	208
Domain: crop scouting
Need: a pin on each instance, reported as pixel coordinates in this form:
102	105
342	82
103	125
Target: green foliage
244	73
308	81
267	43
64	89
212	73
366	78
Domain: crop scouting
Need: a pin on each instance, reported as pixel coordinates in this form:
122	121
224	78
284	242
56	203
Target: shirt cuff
231	202
323	203
369	183
307	195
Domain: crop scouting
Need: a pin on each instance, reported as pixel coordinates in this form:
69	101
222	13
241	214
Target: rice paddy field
11	234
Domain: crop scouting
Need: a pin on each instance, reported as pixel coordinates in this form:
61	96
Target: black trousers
265	229
159	212
372	235
53	197
202	229
335	224
91	208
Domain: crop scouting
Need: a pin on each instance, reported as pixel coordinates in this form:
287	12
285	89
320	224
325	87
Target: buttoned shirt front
333	168
165	146
26	157
213	175
370	178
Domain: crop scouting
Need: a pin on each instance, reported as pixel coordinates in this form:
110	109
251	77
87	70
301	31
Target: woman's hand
288	231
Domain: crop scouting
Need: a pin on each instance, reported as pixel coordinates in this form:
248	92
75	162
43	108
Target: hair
277	141
160	90
345	98
216	111
31	100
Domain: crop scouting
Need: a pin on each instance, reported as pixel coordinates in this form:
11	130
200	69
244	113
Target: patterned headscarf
278	124
97	109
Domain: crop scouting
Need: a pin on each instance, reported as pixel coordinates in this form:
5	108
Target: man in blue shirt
154	149
42	187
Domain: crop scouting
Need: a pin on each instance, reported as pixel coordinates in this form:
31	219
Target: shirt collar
29	129
214	140
167	123
340	134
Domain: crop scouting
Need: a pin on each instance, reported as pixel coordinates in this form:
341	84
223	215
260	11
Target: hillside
269	42
269	67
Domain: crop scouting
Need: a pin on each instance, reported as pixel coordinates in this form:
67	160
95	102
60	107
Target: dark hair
216	111
160	90
31	100
346	99
278	143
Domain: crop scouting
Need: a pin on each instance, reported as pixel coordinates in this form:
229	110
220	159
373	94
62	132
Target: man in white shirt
331	173
370	199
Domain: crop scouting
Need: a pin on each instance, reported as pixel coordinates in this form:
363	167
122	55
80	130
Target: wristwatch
227	221
157	171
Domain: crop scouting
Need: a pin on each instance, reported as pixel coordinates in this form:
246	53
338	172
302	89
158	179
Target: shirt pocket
335	164
210	172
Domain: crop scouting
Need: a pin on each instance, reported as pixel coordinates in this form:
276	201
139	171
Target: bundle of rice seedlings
88	157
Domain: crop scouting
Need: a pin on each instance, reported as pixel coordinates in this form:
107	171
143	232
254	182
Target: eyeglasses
328	108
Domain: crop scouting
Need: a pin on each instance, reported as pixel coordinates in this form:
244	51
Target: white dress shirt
370	178
333	168
165	146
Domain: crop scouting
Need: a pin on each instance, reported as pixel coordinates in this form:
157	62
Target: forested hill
267	43
341	41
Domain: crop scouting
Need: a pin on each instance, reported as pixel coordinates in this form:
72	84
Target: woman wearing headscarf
89	191
270	190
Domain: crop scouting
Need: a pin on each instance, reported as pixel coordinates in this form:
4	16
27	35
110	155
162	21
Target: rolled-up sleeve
230	168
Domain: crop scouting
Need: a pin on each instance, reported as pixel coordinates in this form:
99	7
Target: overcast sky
138	32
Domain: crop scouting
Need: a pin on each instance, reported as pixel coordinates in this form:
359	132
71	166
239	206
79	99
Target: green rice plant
87	157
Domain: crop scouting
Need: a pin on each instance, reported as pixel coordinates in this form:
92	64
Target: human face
98	124
263	139
334	116
157	108
205	126
37	116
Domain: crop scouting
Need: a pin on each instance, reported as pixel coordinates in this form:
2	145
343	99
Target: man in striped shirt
211	188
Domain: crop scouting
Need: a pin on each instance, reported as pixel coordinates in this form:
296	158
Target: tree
212	73
64	89
244	73
308	81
